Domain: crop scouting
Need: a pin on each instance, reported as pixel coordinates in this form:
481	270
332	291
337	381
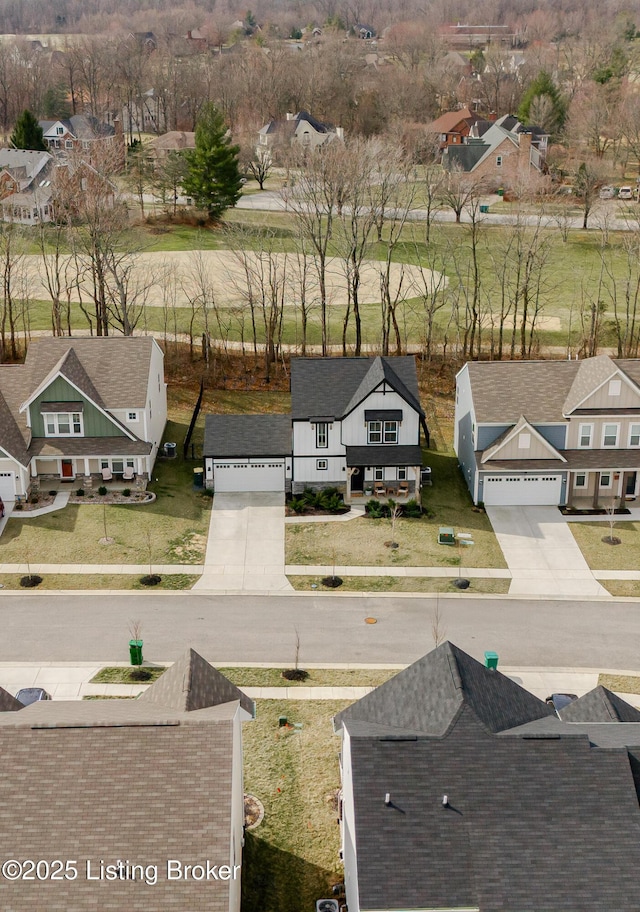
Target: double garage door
7	486
262	475
521	490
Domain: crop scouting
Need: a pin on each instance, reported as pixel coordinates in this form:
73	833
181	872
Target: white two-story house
550	432
80	409
354	425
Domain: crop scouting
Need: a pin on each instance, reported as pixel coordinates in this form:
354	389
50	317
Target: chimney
290	116
524	140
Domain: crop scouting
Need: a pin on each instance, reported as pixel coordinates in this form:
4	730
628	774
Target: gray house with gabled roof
354	424
462	791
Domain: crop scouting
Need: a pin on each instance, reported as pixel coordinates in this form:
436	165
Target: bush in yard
375	509
412	509
102	490
126	492
298	505
34	499
80	492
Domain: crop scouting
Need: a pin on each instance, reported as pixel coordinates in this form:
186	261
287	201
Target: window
382	432
374	432
610	435
322	464
59	131
614	387
498	161
390	432
524	441
68	144
402	473
605	480
132	416
586	433
634	435
63	424
581	480
322	435
378	473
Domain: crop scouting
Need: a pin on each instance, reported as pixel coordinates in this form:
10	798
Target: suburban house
452	128
463	791
504	153
82	132
127	793
25	186
549	432
298	129
173	141
354	425
81	410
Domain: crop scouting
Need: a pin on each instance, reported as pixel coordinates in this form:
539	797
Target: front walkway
541	553
245	546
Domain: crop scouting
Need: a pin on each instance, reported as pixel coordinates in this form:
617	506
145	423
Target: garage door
523	490
249	476
7	486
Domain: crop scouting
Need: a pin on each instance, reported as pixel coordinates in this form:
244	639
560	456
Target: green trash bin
484	209
198	477
501	191
491	660
135	652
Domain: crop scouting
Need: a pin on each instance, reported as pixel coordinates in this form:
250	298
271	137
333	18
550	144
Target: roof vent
445	801
387	799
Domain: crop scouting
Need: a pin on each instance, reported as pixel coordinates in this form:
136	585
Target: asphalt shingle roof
400	455
228	436
600	705
335	386
8	703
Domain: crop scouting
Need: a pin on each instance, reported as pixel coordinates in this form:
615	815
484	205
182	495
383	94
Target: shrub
126	492
335	503
102	490
412	509
376	510
298	505
18	505
80	492
34	499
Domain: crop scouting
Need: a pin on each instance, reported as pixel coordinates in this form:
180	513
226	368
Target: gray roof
8	703
505	390
591	373
88	446
427	697
401	455
335	386
600	705
228	436
191	684
575	460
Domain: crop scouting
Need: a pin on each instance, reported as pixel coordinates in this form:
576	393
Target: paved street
64	627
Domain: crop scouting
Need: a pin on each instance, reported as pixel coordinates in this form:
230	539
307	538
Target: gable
522	441
615	392
96	423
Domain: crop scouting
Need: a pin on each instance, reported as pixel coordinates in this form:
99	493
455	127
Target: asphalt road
63	627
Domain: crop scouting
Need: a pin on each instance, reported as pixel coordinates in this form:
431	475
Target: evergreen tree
543	99
213	176
27	133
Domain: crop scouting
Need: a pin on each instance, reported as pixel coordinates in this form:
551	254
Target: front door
67	468
357	478
630	489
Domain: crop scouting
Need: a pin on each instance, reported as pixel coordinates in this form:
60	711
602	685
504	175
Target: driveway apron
541	553
245	546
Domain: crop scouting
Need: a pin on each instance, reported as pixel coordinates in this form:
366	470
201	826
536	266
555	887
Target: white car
625	193
607	193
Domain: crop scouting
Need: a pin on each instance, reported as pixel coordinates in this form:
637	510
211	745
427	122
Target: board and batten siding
463	442
155	417
304	440
94	422
354	428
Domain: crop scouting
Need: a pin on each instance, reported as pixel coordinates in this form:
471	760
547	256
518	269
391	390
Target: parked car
29	695
607	193
625	193
560	701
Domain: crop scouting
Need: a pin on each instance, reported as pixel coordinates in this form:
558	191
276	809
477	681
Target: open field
291	859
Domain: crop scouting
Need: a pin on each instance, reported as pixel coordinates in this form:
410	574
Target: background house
84	133
451	128
124	783
549	432
26	186
78	406
298	129
461	790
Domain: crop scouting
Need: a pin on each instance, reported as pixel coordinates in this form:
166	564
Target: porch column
621	487
596	490
570	484
86	466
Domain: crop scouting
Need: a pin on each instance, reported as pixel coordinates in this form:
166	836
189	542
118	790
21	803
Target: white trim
610	424
585	475
595	389
632	425
521	425
583	446
57	433
606	487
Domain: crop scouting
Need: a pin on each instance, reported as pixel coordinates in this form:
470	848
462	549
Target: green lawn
98	581
601	556
291	859
401	584
318	677
622	588
118	674
620	683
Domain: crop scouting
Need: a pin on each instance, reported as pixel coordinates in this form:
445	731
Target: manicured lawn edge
423	584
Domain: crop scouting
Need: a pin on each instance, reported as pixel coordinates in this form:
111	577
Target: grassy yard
99	581
601	556
620	683
118	674
291	859
622	588
267	677
401	584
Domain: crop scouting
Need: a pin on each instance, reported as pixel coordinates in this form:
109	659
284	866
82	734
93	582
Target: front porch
88	483
384	494
602	490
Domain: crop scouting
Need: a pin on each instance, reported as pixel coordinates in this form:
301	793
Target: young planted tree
27	133
213	176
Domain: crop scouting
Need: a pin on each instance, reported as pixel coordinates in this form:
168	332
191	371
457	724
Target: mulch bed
599	511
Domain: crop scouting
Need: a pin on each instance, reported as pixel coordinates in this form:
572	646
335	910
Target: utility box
446	536
491	660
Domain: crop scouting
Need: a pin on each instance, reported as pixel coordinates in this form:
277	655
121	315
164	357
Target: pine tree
543	99
213	175
27	133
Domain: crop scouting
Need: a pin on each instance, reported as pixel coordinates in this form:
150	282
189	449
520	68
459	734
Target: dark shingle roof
401	455
600	705
191	684
8	703
227	436
427	697
335	386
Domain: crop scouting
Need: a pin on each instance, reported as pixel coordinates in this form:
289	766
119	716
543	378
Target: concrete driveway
245	546
541	553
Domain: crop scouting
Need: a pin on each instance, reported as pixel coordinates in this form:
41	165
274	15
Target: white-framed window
390	432
382	431
68	144
610	435
378	473
524	441
402	473
605	479
322	464
498	161
117	464
322	435
59	131
63	424
581	480
585	436
374	432
132	416
634	435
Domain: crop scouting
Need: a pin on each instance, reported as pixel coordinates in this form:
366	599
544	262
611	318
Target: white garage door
522	490
7	486
267	475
